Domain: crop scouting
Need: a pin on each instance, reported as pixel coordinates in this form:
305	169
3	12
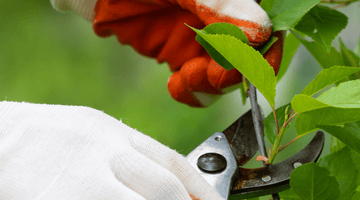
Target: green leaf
215	55
322	24
345	136
341	166
220	28
356	196
356	160
226	29
286	14
325	59
350	59
290	47
346	95
247	60
353	127
310	181
327	77
267	5
269	123
289	195
306	122
335	144
268	44
336	106
303	103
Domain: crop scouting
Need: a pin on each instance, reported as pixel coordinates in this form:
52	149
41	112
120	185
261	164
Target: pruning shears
220	157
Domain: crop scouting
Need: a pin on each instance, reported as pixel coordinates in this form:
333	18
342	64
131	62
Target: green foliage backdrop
55	58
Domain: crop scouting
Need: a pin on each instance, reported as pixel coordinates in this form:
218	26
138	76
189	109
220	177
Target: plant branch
244	81
292	110
286	145
288	121
276	146
276	121
339	2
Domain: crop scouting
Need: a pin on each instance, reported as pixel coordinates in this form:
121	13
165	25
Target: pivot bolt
266	178
212	163
297	164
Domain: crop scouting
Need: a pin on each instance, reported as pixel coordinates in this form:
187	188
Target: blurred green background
55	58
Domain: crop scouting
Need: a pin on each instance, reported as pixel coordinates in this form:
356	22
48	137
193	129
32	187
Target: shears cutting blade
219	159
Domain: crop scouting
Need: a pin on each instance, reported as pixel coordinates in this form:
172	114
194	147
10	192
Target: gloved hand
73	152
156	28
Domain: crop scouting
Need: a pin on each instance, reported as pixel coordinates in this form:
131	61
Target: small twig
339	2
276	122
340	6
286	145
288	121
278	140
244	81
292	110
270	152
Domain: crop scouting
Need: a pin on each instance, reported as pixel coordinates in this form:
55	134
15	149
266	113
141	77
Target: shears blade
220	157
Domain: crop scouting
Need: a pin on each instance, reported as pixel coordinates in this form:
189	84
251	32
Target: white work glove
71	152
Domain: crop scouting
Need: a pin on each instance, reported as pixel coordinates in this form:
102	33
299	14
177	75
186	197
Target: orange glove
155	28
